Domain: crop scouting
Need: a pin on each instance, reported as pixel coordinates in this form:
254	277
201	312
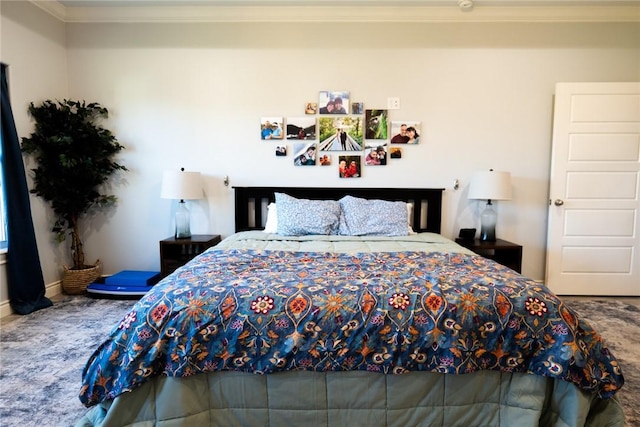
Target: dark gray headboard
251	202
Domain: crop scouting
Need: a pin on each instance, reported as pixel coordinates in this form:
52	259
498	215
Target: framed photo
395	153
304	154
405	132
301	127
340	133
357	108
349	166
281	150
271	128
375	155
376	122
325	160
311	108
333	102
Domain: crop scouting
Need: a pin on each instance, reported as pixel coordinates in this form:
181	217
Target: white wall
33	45
192	95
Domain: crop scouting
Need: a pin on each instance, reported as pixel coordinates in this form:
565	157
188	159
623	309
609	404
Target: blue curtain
24	272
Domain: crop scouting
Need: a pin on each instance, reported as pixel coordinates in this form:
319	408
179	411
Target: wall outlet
393	103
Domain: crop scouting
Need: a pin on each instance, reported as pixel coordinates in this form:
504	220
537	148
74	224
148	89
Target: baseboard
52	290
5	309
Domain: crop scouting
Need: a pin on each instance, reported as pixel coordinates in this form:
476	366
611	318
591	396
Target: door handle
558	202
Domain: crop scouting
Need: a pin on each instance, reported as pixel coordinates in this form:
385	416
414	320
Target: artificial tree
74	158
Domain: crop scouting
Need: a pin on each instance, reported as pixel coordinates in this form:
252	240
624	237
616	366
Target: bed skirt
356	398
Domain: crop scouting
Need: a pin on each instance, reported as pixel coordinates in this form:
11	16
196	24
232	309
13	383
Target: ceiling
343	10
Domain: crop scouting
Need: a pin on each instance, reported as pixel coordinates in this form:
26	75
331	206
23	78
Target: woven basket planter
75	282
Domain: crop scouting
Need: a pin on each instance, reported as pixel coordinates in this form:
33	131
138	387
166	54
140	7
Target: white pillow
410	217
272	219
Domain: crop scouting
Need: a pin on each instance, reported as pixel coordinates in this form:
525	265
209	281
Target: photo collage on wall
338	132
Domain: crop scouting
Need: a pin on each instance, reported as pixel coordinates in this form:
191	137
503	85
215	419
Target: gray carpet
42	356
619	324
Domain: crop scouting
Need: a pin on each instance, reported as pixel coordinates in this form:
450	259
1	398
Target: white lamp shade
490	185
181	185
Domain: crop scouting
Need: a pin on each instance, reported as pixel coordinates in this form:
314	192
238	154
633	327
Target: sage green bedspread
227	399
342	244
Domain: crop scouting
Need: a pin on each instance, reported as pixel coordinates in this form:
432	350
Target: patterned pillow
362	217
301	217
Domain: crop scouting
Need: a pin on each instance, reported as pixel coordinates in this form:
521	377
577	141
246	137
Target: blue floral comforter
264	311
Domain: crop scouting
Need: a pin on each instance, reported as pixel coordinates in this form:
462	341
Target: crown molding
52	7
560	12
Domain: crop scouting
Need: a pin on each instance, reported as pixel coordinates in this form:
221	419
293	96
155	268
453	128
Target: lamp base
183	228
488	220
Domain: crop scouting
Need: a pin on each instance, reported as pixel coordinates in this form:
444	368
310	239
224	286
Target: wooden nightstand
175	253
506	253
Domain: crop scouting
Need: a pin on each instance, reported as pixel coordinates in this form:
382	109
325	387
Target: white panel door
593	243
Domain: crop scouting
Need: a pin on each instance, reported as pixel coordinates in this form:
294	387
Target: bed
345	306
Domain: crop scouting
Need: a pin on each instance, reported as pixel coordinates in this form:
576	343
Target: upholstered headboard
251	202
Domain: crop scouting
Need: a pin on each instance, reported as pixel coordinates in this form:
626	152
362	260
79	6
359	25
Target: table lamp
182	186
490	185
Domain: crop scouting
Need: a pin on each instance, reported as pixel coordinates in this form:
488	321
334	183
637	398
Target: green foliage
377	124
355	128
74	157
